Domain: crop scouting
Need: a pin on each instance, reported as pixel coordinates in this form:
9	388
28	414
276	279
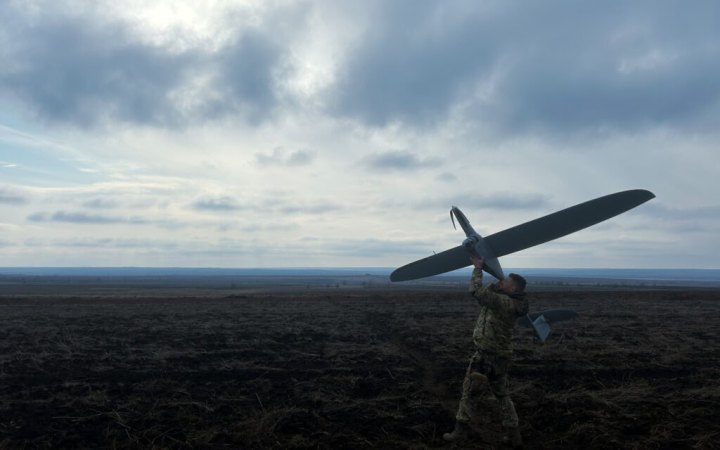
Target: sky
339	134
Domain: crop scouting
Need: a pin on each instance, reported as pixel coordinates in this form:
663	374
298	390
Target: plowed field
350	369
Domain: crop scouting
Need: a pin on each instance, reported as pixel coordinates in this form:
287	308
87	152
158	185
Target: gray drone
518	238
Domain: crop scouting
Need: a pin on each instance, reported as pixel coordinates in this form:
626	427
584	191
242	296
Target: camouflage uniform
493	338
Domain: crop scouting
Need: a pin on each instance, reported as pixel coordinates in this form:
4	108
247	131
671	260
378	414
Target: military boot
512	437
460	433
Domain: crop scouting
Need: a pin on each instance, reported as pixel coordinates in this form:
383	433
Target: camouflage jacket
498	312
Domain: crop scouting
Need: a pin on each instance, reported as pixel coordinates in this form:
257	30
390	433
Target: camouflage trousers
485	375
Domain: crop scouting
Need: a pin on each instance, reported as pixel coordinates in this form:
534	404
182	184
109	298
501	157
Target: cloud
369	247
498	65
336	118
217	204
496	201
279	157
245	78
263	227
100	203
398	161
507	200
10	197
320	207
447	177
85	69
83	218
72	69
143	244
279	204
704	216
502	66
414	62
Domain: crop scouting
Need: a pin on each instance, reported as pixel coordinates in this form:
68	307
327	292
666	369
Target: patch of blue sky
28	162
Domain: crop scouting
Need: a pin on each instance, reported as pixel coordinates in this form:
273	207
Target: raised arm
485	295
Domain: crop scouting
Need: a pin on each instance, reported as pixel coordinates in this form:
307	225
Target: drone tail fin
541	327
540	322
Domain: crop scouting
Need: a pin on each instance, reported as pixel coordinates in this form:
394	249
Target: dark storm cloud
560	66
85	70
10	197
398	161
82	218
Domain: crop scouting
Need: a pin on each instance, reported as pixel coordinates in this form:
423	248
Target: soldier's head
513	284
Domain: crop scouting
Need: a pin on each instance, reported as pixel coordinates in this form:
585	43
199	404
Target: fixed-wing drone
520	237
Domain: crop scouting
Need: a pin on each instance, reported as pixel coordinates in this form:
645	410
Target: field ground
347	368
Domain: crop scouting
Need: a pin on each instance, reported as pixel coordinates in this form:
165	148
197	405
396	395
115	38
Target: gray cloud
83	218
416	60
665	76
507	200
69	69
218	204
619	65
246	76
447	177
398	161
320	207
705	217
116	243
278	157
369	247
497	201
121	243
100	203
278	204
264	227
10	197
660	210
85	70
557	66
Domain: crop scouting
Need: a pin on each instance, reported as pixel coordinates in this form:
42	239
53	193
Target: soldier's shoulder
520	301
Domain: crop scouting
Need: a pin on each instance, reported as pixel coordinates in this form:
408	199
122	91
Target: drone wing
453	259
561	223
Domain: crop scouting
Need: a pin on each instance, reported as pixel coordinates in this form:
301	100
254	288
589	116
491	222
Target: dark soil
350	369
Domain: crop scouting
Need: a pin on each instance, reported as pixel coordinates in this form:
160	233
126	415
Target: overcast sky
326	133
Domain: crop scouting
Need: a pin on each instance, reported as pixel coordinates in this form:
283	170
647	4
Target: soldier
500	305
